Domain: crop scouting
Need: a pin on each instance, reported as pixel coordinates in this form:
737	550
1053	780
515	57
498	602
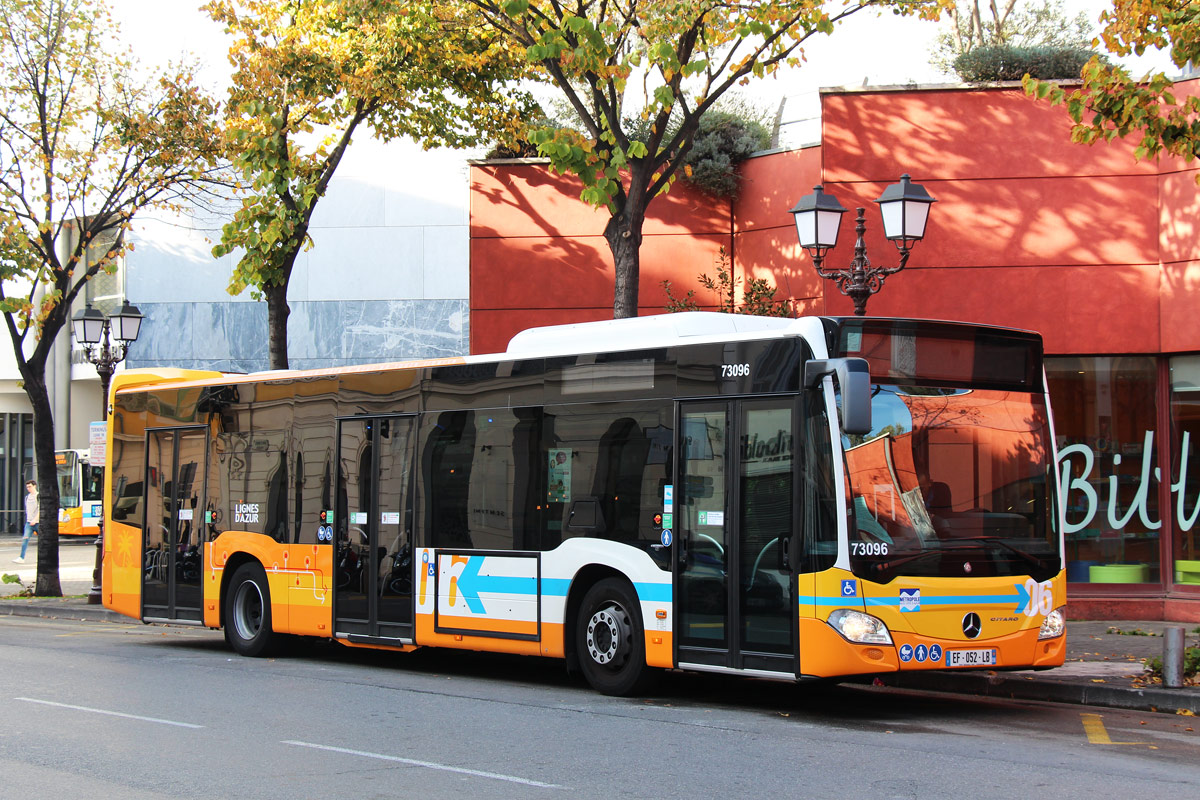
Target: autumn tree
85	143
1112	102
673	60
308	75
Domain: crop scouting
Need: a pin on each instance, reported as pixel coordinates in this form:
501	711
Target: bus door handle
785	546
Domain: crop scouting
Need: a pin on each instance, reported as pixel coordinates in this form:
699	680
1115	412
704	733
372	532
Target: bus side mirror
854	379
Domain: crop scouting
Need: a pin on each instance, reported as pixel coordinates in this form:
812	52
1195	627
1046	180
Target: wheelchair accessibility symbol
849	588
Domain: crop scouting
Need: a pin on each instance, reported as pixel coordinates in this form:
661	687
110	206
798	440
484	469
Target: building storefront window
1105	418
1185	467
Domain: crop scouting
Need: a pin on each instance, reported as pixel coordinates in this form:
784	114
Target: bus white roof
662	330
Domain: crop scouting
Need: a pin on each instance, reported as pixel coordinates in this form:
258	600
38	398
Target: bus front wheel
610	639
248	613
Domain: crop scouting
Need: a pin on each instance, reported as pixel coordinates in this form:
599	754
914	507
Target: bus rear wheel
610	641
248	613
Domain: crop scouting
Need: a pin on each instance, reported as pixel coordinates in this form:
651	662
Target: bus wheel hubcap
607	634
249	611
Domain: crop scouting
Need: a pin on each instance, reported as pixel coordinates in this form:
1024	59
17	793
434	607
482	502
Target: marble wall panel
349	202
233	336
446	249
315	331
363	264
245	329
172	261
166	336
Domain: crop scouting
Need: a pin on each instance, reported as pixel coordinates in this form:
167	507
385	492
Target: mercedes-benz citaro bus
779	498
80	487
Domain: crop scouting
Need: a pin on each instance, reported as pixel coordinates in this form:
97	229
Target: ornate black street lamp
92	328
904	207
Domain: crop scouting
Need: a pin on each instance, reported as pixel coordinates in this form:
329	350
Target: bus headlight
1053	625
859	627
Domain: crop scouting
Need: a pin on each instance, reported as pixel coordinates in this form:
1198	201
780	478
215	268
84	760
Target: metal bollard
94	597
1173	657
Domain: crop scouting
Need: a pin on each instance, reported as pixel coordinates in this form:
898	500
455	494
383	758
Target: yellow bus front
949	550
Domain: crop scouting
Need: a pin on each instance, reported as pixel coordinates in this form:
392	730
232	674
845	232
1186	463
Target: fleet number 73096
735	370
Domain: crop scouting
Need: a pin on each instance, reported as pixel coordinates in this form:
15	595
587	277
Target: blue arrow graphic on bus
1023	598
471	584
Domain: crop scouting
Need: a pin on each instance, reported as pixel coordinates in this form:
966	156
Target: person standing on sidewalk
31	519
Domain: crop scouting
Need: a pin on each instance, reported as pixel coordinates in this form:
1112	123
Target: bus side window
481	480
128	459
449	444
605	472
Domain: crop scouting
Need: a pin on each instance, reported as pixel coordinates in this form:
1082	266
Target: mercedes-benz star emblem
972	625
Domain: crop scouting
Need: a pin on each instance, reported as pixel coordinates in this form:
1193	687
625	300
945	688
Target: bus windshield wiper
996	540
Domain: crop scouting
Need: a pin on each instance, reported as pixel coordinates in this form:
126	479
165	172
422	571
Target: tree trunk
624	236
47	584
277	317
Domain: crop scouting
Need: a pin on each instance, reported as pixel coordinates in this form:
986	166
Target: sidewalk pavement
1103	667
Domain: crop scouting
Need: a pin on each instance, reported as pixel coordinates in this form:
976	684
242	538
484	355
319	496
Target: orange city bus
781	498
80	492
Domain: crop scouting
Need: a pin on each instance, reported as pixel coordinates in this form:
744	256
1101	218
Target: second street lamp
904	207
91	329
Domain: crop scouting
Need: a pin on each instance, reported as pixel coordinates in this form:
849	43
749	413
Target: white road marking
428	765
108	713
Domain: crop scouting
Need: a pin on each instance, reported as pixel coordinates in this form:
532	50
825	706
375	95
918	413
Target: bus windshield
67	466
952	482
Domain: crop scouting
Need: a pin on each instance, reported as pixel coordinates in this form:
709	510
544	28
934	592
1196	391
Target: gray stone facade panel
232	337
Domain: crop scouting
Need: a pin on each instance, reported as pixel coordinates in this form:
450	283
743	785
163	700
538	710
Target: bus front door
373	561
174	507
733	515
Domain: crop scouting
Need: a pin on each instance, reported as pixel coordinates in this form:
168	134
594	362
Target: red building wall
1094	249
538	254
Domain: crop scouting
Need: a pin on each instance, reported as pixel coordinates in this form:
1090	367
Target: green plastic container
1187	571
1119	573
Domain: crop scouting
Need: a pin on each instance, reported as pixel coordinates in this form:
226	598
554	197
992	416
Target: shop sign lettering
1077	462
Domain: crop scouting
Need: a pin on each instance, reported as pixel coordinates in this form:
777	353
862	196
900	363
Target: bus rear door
174	507
733	514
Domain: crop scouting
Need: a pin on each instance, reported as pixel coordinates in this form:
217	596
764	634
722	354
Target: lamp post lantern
904	207
113	334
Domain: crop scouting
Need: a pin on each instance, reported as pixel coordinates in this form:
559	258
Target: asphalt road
99	710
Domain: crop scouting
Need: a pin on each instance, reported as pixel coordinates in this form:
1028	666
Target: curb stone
60	609
1145	698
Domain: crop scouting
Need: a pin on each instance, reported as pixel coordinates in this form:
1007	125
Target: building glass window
1185	467
1105	412
106	289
